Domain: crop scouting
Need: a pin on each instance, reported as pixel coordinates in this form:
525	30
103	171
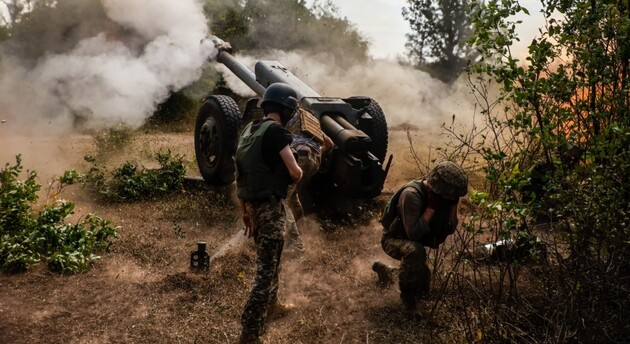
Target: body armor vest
439	226
391	209
255	181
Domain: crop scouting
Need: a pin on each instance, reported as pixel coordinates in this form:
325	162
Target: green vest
391	209
255	181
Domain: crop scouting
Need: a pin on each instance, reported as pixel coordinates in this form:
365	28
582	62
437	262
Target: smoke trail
407	96
117	75
237	239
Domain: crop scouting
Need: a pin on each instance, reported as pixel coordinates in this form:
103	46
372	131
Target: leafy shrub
130	182
27	237
554	148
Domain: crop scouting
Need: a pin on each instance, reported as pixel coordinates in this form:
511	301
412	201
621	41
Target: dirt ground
142	291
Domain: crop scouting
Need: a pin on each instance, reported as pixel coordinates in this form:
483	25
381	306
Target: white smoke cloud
104	81
408	96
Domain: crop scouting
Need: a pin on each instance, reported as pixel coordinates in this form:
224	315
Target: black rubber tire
216	135
379	135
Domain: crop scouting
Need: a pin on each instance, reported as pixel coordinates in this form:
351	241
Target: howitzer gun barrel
241	72
344	135
269	72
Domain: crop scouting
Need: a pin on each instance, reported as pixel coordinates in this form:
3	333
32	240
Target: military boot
279	310
385	273
408	296
408	299
249	339
424	284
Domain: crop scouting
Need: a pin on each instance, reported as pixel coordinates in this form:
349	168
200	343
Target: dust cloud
144	51
409	97
91	65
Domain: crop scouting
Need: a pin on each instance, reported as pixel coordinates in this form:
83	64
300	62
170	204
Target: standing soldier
265	168
421	213
309	144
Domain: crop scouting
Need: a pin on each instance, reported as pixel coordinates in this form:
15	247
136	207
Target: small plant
28	237
130	182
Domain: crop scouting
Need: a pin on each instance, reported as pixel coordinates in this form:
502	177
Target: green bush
129	182
28	237
554	147
177	107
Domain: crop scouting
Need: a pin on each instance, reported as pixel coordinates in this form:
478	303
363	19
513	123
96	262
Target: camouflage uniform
414	275
262	180
309	163
407	235
269	217
309	160
308	149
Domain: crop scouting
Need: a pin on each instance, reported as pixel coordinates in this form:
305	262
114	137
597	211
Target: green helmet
448	180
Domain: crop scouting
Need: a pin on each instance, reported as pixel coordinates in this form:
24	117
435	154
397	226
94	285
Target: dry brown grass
143	292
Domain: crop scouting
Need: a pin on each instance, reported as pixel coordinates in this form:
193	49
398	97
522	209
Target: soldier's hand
435	201
249	225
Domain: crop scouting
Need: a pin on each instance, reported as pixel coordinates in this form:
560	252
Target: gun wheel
378	132
381	136
216	130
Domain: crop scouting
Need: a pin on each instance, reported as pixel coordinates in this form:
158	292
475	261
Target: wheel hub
209	139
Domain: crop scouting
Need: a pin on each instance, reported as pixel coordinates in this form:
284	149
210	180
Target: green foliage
27	236
129	182
229	21
47	26
556	143
439	32
17	196
286	25
12	11
177	107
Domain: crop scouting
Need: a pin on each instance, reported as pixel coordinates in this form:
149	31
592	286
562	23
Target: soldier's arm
452	217
247	220
292	166
411	213
328	144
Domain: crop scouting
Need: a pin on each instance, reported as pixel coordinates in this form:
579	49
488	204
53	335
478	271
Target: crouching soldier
421	213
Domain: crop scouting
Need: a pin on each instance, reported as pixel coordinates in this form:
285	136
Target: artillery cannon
356	125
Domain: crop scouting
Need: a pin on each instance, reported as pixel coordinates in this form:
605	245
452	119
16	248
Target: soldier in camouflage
421	213
309	144
265	167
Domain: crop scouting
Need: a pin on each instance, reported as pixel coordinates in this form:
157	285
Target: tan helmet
448	180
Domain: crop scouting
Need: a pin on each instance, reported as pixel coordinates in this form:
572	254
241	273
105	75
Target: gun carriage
356	125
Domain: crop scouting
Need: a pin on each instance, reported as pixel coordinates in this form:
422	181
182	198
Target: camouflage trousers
269	221
414	275
309	161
